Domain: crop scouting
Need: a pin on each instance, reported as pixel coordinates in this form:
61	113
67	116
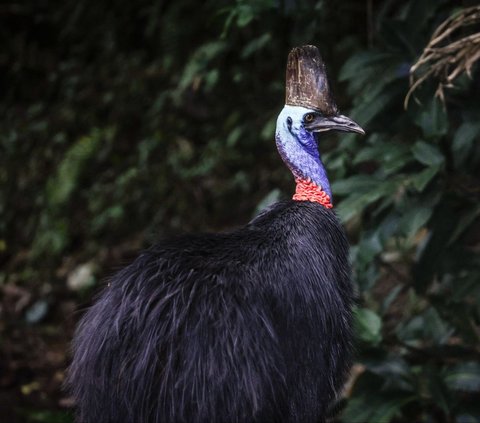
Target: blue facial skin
298	147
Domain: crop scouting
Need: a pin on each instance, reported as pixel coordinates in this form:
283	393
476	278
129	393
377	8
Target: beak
334	123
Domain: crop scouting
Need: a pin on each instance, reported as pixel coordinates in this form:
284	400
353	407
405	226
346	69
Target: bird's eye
309	117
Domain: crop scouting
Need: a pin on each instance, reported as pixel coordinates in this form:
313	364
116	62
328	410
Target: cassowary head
309	110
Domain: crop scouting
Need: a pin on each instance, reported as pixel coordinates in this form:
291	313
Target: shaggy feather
248	326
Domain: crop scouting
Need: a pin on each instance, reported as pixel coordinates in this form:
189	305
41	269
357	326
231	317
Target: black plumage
248	326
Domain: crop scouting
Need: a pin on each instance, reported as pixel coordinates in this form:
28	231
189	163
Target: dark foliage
124	121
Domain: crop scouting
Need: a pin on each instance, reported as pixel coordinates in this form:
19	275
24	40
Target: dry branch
444	58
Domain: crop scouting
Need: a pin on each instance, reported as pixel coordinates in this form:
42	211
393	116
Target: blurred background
122	122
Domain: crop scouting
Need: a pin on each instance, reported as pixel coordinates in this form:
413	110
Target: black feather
248	326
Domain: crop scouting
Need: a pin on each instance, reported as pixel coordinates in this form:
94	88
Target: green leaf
464	377
378	409
414	219
390	156
354	184
47	416
355	204
437	388
373	190
363	60
463	141
428	327
393	370
436	328
234	136
245	15
269	128
427	154
255	45
464	221
421	180
430	256
66	178
376	105
387	410
369	246
433	119
390	298
37	311
368	326
199	64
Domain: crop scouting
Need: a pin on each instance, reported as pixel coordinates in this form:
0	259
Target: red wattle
307	191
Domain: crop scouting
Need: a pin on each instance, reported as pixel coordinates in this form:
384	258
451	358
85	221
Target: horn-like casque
307	83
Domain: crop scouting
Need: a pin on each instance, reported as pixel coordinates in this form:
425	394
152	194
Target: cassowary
252	325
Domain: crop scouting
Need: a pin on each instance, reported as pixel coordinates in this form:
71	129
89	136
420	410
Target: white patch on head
296	113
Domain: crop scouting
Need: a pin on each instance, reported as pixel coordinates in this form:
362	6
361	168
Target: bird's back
247	326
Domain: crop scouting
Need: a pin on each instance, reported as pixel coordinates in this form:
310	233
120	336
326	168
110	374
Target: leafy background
125	121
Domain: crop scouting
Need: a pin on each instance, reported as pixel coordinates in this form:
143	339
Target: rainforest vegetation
122	122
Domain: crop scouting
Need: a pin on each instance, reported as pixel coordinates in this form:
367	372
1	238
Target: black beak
334	123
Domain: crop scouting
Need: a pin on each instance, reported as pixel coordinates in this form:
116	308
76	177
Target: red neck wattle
308	191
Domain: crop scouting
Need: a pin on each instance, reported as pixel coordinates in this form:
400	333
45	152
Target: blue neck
322	177
298	149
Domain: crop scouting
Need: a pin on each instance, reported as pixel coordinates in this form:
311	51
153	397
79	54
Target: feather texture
248	326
